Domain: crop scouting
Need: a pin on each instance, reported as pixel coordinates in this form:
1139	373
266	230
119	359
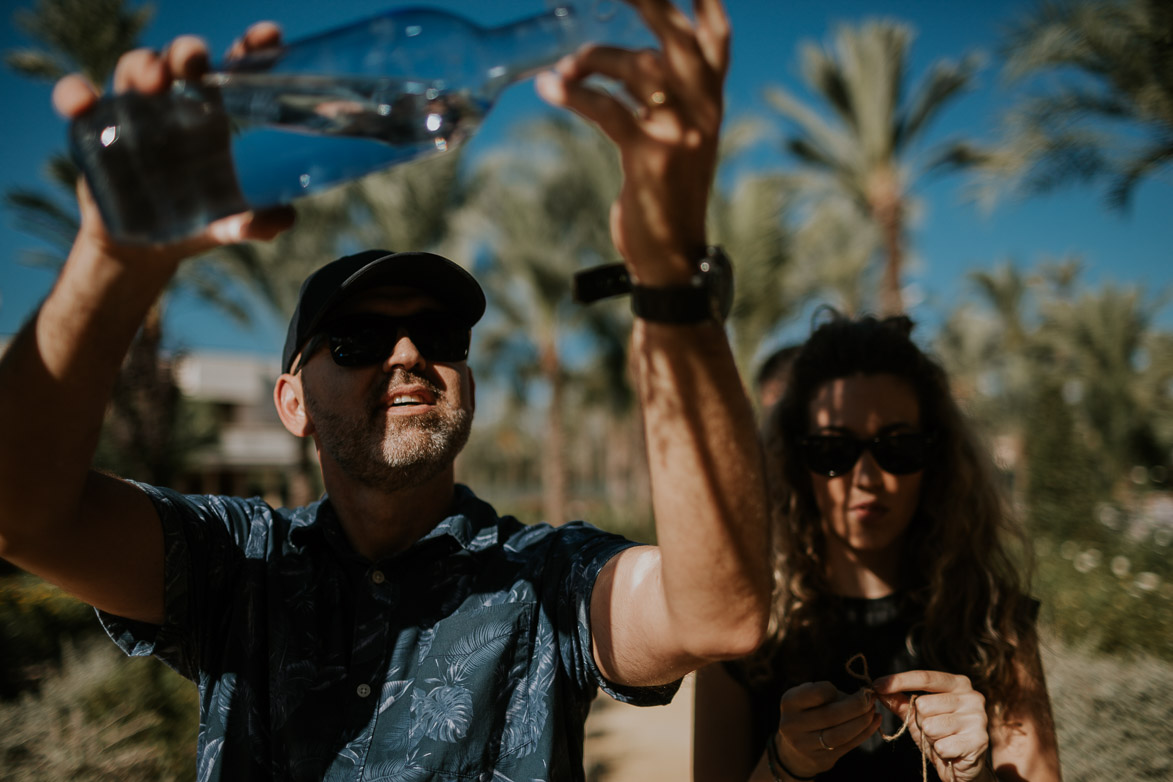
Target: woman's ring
823	743
658	98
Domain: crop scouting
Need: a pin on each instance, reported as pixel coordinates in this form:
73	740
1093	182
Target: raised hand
150	72
949	720
668	146
819	724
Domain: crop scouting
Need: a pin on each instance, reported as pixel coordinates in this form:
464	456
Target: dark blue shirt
466	657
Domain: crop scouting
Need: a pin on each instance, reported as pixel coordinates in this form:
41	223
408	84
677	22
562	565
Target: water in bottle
280	124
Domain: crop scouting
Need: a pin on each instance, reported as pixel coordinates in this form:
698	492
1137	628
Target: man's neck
379	524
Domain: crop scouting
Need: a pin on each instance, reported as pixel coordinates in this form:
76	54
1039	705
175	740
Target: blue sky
952	238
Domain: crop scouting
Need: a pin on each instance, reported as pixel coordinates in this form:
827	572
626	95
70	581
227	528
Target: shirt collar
472	525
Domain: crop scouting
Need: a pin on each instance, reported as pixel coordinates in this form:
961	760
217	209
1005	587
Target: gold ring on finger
658	98
823	743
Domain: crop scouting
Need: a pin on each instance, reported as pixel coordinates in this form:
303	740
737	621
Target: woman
892	542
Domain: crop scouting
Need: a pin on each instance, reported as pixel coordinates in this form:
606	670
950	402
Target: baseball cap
445	281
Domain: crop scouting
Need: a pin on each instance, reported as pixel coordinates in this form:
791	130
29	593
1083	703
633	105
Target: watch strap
675	304
707	296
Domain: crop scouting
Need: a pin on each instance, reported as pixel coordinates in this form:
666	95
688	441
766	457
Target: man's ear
289	397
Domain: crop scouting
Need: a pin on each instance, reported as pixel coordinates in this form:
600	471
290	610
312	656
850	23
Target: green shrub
1115	598
101	717
34	618
1113	716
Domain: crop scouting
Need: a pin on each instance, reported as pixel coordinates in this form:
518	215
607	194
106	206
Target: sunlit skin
439	388
368	443
866	511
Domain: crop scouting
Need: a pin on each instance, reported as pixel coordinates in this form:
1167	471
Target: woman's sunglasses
368	338
899	453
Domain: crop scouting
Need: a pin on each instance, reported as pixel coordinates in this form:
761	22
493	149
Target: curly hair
959	567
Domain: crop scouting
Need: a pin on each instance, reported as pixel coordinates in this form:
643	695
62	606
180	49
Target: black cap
440	278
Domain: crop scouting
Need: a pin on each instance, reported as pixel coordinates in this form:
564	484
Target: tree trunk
554	453
887	208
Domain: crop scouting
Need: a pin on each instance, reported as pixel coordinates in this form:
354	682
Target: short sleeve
201	534
581	551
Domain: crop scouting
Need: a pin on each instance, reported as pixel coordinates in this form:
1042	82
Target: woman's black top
876	627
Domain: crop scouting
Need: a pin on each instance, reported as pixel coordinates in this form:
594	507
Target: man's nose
405	353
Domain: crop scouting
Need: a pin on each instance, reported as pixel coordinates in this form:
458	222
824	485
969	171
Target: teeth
406	399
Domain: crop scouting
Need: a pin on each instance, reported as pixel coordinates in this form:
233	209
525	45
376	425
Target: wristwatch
707	296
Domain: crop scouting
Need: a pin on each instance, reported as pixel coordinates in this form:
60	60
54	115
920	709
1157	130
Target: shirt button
378	577
363	690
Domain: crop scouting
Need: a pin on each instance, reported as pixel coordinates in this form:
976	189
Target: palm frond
43	216
945	81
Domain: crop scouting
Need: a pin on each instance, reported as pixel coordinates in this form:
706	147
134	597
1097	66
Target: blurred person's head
770	380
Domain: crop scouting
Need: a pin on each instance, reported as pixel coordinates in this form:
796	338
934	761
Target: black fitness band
774	760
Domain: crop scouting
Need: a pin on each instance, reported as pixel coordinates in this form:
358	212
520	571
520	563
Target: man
400	629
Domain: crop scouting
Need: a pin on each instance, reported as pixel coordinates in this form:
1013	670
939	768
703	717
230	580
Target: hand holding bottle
144	71
668	148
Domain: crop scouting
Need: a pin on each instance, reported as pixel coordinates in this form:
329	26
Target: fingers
714	33
678	36
687	71
921	681
262	35
140	70
846	736
820	706
267	223
186	57
147	71
611	116
818	725
73	95
809	695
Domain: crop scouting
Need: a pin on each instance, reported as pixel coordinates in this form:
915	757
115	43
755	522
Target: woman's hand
819	724
949	723
150	72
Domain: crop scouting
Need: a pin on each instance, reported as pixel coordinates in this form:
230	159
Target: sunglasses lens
830	455
901	454
438	337
369	339
360	348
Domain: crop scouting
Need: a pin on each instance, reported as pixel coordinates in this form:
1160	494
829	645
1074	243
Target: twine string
912	714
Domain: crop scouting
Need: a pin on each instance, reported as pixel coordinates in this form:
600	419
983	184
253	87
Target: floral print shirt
466	657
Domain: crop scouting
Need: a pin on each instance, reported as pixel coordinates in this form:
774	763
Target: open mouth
407	400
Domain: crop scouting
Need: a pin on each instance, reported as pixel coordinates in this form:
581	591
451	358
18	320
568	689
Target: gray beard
389	453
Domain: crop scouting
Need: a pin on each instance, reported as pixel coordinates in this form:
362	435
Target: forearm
708	489
55	382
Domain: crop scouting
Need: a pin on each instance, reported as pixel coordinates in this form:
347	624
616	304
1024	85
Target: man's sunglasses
368	338
898	453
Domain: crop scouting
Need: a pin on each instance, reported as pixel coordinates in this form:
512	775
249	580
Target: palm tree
89	38
1039	339
748	218
538	212
77	35
1118	369
860	145
834	246
1114	121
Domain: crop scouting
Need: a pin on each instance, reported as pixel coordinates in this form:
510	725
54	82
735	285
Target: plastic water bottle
278	124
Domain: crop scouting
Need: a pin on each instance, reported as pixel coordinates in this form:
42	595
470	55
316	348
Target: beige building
254	454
